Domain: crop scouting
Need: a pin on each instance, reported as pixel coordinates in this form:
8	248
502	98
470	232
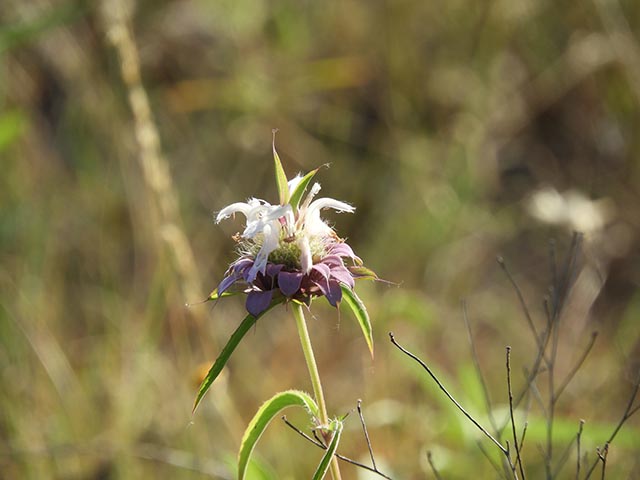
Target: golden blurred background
460	131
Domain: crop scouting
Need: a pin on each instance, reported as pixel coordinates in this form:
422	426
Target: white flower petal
293	183
306	259
331	203
270	242
264	217
229	210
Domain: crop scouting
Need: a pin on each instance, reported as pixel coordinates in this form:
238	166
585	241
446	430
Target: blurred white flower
571	209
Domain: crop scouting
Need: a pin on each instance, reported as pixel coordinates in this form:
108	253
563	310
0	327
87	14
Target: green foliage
12	125
360	311
226	352
298	192
336	427
264	416
281	176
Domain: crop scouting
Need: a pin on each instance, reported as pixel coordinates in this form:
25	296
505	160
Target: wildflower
288	251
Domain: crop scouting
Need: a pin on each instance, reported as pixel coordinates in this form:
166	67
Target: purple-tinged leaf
330	289
289	282
344	250
342	275
322	269
227	282
333	260
258	302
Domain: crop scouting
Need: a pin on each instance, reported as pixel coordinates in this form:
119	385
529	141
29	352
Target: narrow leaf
296	195
322	469
215	295
228	349
262	418
363	273
281	177
360	312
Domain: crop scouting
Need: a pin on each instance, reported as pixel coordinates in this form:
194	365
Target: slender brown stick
523	304
318	443
628	412
574	370
504	450
366	434
433	467
476	364
513	422
578	437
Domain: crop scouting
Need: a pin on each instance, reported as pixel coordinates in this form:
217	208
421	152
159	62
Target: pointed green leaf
363	273
228	349
296	195
360	312
322	469
262	418
281	177
215	295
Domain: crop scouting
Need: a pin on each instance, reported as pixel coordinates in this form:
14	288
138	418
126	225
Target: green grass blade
361	314
228	349
281	177
296	195
322	469
267	412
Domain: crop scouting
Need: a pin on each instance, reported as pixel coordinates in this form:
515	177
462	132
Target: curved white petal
249	209
331	203
263	217
270	242
229	210
293	183
306	259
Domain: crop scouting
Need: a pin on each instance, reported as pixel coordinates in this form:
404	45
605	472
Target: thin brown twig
476	364
574	370
563	458
504	450
525	309
513	422
446	392
628	412
433	467
366	434
602	456
578	437
321	445
502	472
524	433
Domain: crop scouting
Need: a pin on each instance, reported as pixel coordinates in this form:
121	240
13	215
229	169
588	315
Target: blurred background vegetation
460	131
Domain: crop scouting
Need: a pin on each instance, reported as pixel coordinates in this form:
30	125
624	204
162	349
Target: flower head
287	251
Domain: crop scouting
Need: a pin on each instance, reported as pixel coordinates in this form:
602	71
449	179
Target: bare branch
574	370
433	467
578	437
476	364
513	422
366	434
523	304
628	412
444	390
321	445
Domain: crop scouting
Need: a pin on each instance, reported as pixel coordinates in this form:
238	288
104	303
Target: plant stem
307	349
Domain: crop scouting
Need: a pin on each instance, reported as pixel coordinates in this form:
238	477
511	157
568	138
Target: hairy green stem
307	349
